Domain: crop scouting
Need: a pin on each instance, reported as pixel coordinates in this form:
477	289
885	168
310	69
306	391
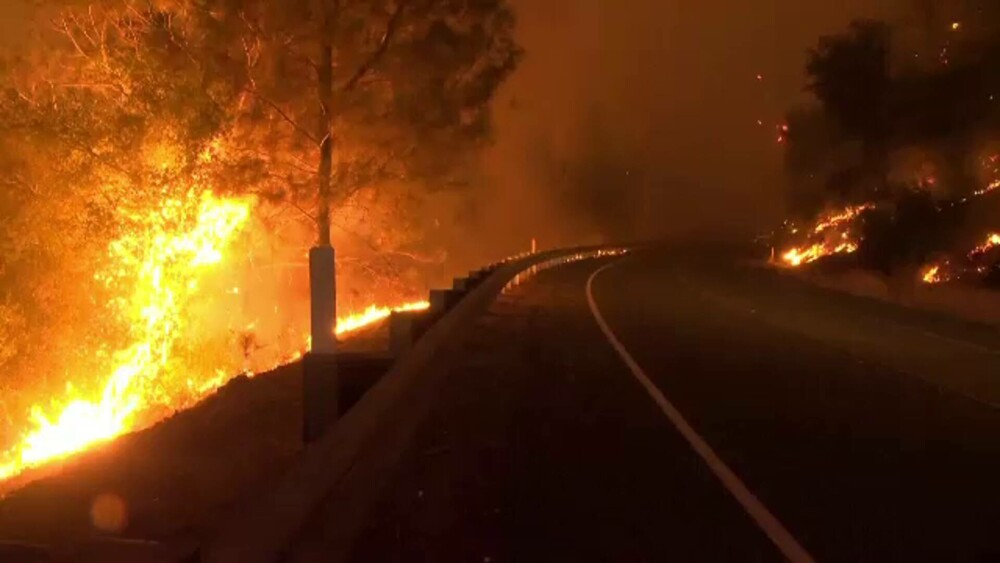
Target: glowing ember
992	241
936	273
989	188
933	274
840	218
374	314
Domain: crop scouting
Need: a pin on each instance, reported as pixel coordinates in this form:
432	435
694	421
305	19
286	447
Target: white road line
767	522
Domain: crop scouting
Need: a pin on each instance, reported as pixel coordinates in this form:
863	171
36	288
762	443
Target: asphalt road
868	432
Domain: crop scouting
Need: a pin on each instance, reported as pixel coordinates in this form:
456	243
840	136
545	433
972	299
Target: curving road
711	410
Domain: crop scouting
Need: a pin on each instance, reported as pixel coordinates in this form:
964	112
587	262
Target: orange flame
840	218
992	241
374	314
157	269
798	256
158	266
831	235
933	274
989	188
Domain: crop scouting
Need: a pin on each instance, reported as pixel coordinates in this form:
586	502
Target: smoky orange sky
13	16
676	80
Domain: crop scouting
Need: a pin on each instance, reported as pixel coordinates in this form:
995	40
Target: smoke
653	104
14	16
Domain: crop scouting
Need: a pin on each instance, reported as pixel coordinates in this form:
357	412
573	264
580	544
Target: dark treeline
905	115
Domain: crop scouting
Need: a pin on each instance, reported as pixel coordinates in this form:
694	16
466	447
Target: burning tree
410	82
160	160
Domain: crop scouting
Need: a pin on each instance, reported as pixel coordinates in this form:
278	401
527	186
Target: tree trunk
322	261
324	133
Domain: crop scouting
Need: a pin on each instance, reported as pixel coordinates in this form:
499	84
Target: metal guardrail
335	478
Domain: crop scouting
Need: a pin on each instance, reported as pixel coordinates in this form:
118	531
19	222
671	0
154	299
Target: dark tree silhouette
850	75
897	240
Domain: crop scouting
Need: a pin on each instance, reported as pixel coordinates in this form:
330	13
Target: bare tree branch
298	208
373	59
295	124
439	259
64	28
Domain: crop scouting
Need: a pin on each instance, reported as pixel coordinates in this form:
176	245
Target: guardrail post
477	277
322	299
319	366
401	333
442	300
320	395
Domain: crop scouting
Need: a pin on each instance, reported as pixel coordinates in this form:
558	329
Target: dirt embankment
963	301
168	486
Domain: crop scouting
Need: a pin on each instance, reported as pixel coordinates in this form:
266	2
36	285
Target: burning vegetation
166	272
900	151
842	231
834	232
165	167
